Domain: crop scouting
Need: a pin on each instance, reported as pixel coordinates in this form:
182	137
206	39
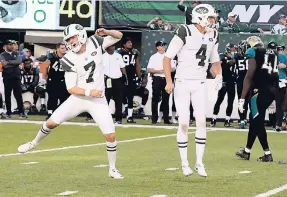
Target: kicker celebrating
84	77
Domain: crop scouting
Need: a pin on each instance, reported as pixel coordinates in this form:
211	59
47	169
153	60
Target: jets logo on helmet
202	10
72	31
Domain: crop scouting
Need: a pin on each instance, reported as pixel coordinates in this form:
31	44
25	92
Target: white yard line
273	191
130	126
88	145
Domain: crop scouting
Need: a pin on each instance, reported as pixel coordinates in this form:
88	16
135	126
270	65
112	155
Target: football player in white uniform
84	77
195	46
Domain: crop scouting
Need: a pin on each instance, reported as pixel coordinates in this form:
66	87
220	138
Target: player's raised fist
96	93
101	32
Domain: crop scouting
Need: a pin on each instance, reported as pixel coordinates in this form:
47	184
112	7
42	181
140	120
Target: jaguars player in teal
263	81
281	103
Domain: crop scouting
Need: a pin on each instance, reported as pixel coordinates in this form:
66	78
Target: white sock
142	106
173	115
112	153
214	117
43	132
160	115
1	110
267	152
42	101
200	140
227	118
247	150
50	111
182	142
130	112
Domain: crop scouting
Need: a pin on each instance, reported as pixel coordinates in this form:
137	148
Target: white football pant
98	108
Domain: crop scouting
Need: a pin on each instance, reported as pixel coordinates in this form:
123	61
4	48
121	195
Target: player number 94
70	11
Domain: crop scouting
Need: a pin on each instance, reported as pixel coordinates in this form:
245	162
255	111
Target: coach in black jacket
11	74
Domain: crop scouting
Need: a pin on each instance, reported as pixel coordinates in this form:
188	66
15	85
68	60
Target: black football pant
13	83
228	88
158	91
281	103
260	100
130	90
143	93
116	93
1	101
57	91
243	115
174	108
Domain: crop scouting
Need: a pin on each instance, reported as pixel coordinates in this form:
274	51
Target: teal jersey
283	71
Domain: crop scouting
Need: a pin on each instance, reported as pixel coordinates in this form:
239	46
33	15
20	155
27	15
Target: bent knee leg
111	137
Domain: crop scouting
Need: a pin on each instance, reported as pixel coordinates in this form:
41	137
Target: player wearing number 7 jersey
84	76
262	79
195	46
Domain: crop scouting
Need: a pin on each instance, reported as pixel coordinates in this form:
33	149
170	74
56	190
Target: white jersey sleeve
70	71
177	42
109	41
276	29
214	56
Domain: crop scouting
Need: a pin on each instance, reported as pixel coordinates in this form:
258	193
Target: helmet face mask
75	36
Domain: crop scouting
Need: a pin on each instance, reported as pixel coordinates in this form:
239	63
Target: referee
11	74
155	68
114	85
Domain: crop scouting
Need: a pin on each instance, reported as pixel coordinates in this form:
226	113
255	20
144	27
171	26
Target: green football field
67	159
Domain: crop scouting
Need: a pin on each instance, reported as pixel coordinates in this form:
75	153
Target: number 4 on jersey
201	55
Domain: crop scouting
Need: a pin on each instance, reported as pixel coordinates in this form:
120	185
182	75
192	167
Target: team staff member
131	59
114	70
11	61
155	67
54	73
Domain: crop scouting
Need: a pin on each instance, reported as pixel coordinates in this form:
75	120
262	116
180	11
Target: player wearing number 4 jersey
84	76
195	46
262	79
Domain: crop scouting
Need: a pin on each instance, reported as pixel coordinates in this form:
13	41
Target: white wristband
87	92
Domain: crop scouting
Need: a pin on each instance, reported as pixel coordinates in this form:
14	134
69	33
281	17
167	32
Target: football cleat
265	158
212	123
227	123
2	116
186	170
22	115
242	125
34	109
278	129
174	121
199	168
159	119
131	120
115	174
26	147
243	154
118	122
43	108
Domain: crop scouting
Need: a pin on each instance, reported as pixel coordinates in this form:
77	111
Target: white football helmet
75	30
201	14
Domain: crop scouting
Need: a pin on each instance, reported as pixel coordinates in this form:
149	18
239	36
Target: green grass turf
143	164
